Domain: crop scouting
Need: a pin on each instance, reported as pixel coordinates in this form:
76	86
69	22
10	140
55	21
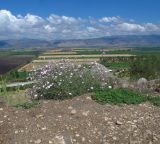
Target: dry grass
81	56
36	64
58	53
15	97
33	65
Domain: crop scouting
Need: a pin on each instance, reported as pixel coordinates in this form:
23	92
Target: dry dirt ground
80	121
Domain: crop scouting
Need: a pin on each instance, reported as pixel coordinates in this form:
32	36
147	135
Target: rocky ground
80	121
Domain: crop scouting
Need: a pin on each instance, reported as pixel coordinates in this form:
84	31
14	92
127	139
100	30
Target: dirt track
80	121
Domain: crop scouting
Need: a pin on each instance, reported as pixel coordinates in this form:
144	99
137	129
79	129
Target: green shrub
123	96
72	86
118	96
115	65
27	105
145	66
154	100
64	79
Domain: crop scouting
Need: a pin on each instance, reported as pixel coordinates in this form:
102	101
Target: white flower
70	93
109	87
35	95
71	74
91	88
60	73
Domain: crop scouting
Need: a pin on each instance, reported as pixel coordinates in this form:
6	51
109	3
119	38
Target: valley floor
80	121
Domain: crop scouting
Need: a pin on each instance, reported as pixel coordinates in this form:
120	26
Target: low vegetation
116	65
15	76
64	79
17	98
145	66
122	96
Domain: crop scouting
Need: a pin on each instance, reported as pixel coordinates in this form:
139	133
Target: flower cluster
63	79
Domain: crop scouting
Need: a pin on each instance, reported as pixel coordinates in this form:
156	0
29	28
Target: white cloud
109	19
131	27
152	27
32	19
92	29
49	29
55	19
64	27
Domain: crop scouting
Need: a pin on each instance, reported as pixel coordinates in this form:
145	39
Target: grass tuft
27	105
123	96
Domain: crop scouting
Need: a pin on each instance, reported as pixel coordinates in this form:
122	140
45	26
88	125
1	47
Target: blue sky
140	10
89	18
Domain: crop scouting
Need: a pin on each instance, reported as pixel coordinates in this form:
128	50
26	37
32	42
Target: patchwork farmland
73	55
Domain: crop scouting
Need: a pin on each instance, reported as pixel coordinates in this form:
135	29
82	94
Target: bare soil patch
80	120
9	63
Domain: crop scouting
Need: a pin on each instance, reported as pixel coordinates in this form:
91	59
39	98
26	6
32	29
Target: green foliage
145	66
123	96
85	52
15	76
64	79
8	53
146	51
27	105
118	96
3	88
72	86
154	100
115	65
18	98
122	73
127	51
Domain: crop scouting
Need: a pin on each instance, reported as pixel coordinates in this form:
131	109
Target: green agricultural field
117	65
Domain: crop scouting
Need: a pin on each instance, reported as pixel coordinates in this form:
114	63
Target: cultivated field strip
58	53
32	66
84	56
72	55
36	64
72	60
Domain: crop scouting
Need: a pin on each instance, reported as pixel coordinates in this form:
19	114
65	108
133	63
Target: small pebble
83	139
118	123
44	128
16	132
1	122
38	141
70	107
85	113
73	112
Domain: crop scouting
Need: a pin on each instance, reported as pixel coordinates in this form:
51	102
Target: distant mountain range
110	41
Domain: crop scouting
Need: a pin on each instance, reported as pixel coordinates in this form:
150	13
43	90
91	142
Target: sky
74	19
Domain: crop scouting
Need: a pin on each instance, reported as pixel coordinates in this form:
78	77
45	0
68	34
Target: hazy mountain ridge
112	41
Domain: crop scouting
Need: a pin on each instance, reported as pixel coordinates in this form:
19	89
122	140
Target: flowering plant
64	79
